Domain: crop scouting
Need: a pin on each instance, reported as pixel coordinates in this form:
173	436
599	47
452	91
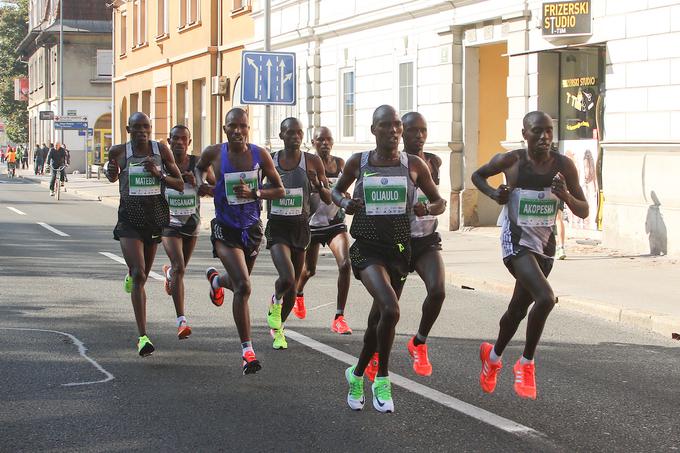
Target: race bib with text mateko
385	195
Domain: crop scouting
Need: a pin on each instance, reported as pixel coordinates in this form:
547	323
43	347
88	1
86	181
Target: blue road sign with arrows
268	78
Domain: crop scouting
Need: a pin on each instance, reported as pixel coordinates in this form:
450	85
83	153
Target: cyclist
56	159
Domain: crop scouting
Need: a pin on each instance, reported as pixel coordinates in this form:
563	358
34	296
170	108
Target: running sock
168	274
215	282
523	360
247	346
493	357
300	294
180	320
277	300
419	339
339	313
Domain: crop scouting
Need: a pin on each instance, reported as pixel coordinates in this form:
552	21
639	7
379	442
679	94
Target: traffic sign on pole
268	78
70	123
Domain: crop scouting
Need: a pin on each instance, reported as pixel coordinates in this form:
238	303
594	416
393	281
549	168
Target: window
104	63
240	4
123	34
41	71
54	54
162	19
139	22
189	12
348	92
199	106
406	90
182	111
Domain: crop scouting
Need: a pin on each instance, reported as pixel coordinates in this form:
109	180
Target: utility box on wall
220	86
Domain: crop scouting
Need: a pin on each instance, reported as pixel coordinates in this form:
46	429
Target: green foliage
13	28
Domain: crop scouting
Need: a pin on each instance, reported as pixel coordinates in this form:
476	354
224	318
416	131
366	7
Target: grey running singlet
295	204
326	215
133	179
185	205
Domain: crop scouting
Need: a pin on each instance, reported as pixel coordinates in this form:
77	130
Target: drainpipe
218	120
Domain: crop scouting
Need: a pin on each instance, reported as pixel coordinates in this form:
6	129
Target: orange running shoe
340	326
299	309
216	295
525	380
183	331
487	378
250	363
421	363
166	268
372	368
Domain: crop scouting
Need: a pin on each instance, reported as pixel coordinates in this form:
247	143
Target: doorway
102	139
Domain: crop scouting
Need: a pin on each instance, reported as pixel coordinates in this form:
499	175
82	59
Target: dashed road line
121	260
13	209
52	229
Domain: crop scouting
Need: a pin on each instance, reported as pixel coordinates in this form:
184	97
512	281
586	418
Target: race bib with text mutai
290	204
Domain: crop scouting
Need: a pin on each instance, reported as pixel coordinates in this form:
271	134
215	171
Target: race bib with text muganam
142	182
385	195
181	203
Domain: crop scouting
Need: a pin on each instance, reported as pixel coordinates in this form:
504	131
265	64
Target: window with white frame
54	54
123	34
189	12
406	87
240	4
348	102
162	18
139	25
104	63
278	114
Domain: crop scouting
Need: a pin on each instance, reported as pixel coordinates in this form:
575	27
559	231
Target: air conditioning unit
220	86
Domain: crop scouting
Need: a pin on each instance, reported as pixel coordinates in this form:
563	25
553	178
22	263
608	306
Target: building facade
607	71
86	70
178	61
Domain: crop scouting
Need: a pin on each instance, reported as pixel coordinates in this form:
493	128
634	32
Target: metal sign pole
88	171
267	48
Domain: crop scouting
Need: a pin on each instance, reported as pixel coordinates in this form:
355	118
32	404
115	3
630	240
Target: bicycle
58	181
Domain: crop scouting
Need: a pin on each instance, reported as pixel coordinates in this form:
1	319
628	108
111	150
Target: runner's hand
420	209
502	194
352	205
314	179
559	188
189	178
243	190
205	190
112	169
150	166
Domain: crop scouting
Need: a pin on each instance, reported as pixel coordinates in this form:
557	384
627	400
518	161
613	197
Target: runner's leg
430	268
339	245
238	278
133	252
309	270
298	262
174	250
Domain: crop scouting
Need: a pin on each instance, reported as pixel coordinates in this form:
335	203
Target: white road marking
52	229
470	410
320	306
121	260
81	350
16	210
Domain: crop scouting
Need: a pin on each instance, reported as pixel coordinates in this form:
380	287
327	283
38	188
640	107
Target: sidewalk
635	290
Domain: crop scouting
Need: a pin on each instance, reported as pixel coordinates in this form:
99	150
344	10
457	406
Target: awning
556	48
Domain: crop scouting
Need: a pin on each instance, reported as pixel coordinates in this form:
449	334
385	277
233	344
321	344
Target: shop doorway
102	139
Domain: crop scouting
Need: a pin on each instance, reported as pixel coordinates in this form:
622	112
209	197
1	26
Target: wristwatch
258	194
163	176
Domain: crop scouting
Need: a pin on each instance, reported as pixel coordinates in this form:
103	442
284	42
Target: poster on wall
21	89
584	154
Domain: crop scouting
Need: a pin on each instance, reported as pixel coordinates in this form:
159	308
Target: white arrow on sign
282	78
269	78
251	62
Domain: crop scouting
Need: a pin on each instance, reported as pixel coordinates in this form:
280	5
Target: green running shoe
382	394
274	315
144	346
127	283
355	396
279	339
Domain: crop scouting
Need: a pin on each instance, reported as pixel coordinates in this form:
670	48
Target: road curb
664	325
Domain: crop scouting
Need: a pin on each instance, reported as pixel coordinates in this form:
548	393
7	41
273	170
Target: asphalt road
601	387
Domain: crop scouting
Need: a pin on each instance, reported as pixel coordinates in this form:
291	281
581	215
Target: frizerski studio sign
566	18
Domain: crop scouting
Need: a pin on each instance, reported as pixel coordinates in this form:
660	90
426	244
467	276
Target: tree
13	28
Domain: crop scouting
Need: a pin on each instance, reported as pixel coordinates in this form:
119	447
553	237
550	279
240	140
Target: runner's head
387	128
236	127
415	132
537	130
291	133
323	140
179	140
139	128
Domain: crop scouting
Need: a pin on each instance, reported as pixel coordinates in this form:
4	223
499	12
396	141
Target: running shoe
421	363
382	395
250	364
355	396
166	279
127	284
487	378
559	253
340	326
372	368
525	380
299	309
144	346
274	314
183	331
279	339
216	295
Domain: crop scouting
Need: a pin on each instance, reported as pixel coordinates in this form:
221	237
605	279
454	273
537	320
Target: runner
180	236
327	226
139	167
288	232
537	179
237	228
385	189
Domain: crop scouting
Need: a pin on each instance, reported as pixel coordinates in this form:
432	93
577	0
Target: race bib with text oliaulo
290	204
181	203
537	208
141	182
385	195
232	180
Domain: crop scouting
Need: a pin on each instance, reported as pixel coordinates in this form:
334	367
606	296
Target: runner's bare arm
339	193
498	164
204	166
174	177
423	179
567	188
324	191
112	165
341	169
274	189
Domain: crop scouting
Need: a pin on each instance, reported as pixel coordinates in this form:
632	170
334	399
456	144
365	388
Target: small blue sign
90	132
268	78
70	126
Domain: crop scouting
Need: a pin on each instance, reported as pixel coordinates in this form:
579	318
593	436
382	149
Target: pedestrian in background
24	158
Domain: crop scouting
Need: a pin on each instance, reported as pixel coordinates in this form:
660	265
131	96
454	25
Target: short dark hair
287	120
180	126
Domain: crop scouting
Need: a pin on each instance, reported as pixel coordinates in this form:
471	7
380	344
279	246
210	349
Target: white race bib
536	208
141	182
181	203
290	204
385	195
232	180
